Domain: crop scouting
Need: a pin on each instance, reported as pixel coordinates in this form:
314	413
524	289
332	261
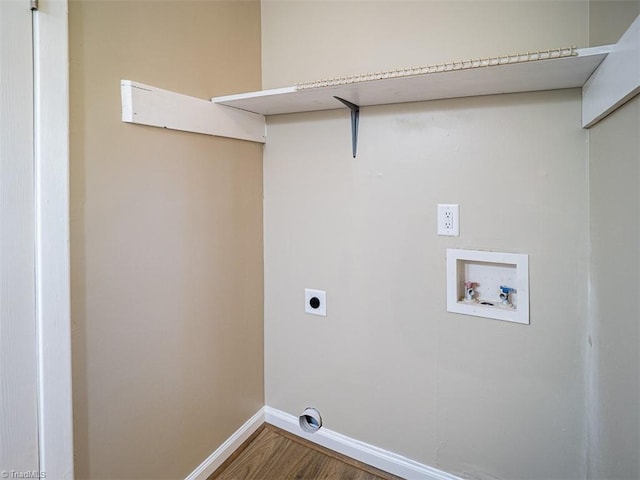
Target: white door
19	453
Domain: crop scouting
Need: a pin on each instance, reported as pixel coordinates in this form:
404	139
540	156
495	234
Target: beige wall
614	330
166	241
314	39
609	19
388	365
614	158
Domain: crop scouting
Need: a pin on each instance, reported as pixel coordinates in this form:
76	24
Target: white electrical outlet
448	220
315	302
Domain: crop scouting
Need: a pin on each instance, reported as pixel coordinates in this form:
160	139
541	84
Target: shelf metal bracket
355	118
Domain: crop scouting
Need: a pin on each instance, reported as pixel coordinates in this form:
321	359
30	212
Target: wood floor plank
274	454
238	451
342	458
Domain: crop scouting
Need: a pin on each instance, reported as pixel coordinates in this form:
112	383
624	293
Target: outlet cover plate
448	219
315	302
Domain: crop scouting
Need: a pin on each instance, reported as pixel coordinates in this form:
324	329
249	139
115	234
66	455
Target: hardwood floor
273	454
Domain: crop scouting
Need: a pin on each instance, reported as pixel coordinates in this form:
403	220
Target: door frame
51	152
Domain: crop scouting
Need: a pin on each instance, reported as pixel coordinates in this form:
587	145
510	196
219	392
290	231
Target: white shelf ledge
483	79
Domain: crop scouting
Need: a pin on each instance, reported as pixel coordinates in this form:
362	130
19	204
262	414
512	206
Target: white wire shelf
546	70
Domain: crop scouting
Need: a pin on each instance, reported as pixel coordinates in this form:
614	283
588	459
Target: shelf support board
355	120
615	81
152	106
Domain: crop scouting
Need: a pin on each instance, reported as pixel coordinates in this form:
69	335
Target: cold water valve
505	294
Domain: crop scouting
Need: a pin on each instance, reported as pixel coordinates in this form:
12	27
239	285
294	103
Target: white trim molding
51	148
615	81
224	451
371	455
361	451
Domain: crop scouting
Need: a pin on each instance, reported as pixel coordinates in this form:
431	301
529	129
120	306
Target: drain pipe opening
310	420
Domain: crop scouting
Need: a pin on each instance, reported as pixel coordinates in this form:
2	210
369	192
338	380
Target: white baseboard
363	452
217	458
